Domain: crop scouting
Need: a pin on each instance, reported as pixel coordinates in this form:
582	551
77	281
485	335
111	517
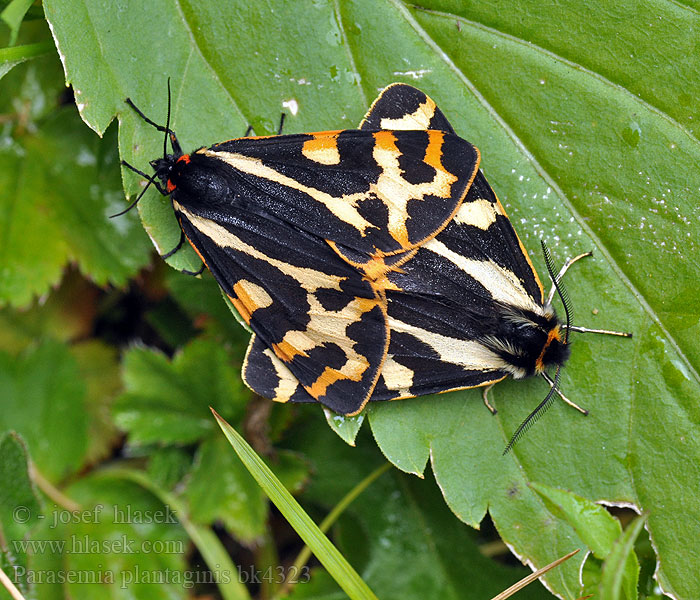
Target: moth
370	264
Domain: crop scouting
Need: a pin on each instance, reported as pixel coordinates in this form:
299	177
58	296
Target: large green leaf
58	184
586	121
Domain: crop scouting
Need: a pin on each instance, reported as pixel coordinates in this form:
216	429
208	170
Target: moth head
555	352
162	167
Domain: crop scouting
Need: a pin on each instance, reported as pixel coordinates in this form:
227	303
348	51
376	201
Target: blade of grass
530	578
334	562
13	15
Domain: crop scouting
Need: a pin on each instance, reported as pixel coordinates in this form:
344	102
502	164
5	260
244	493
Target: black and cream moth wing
312	312
267	375
402	107
371	195
457	308
453	304
440	304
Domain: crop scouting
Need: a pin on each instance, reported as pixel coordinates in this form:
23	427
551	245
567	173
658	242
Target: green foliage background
586	118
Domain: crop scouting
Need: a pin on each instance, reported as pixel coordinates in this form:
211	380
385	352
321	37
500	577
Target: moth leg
605	331
248	131
550	381
563	270
283	116
168	132
148	177
194	273
176	248
139	112
487	389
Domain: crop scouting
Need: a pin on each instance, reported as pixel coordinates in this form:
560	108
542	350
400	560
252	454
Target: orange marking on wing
433	157
386	140
433	153
322	148
286	351
376	268
366	304
241	308
250	296
331	376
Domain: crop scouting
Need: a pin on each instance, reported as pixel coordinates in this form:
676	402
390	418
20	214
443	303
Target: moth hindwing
299	229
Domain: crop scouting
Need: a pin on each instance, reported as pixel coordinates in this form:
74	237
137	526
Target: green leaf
67	314
99	370
326	553
43	399
398	533
19	504
596	527
587	133
346	427
13	15
168	401
621	568
168	466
